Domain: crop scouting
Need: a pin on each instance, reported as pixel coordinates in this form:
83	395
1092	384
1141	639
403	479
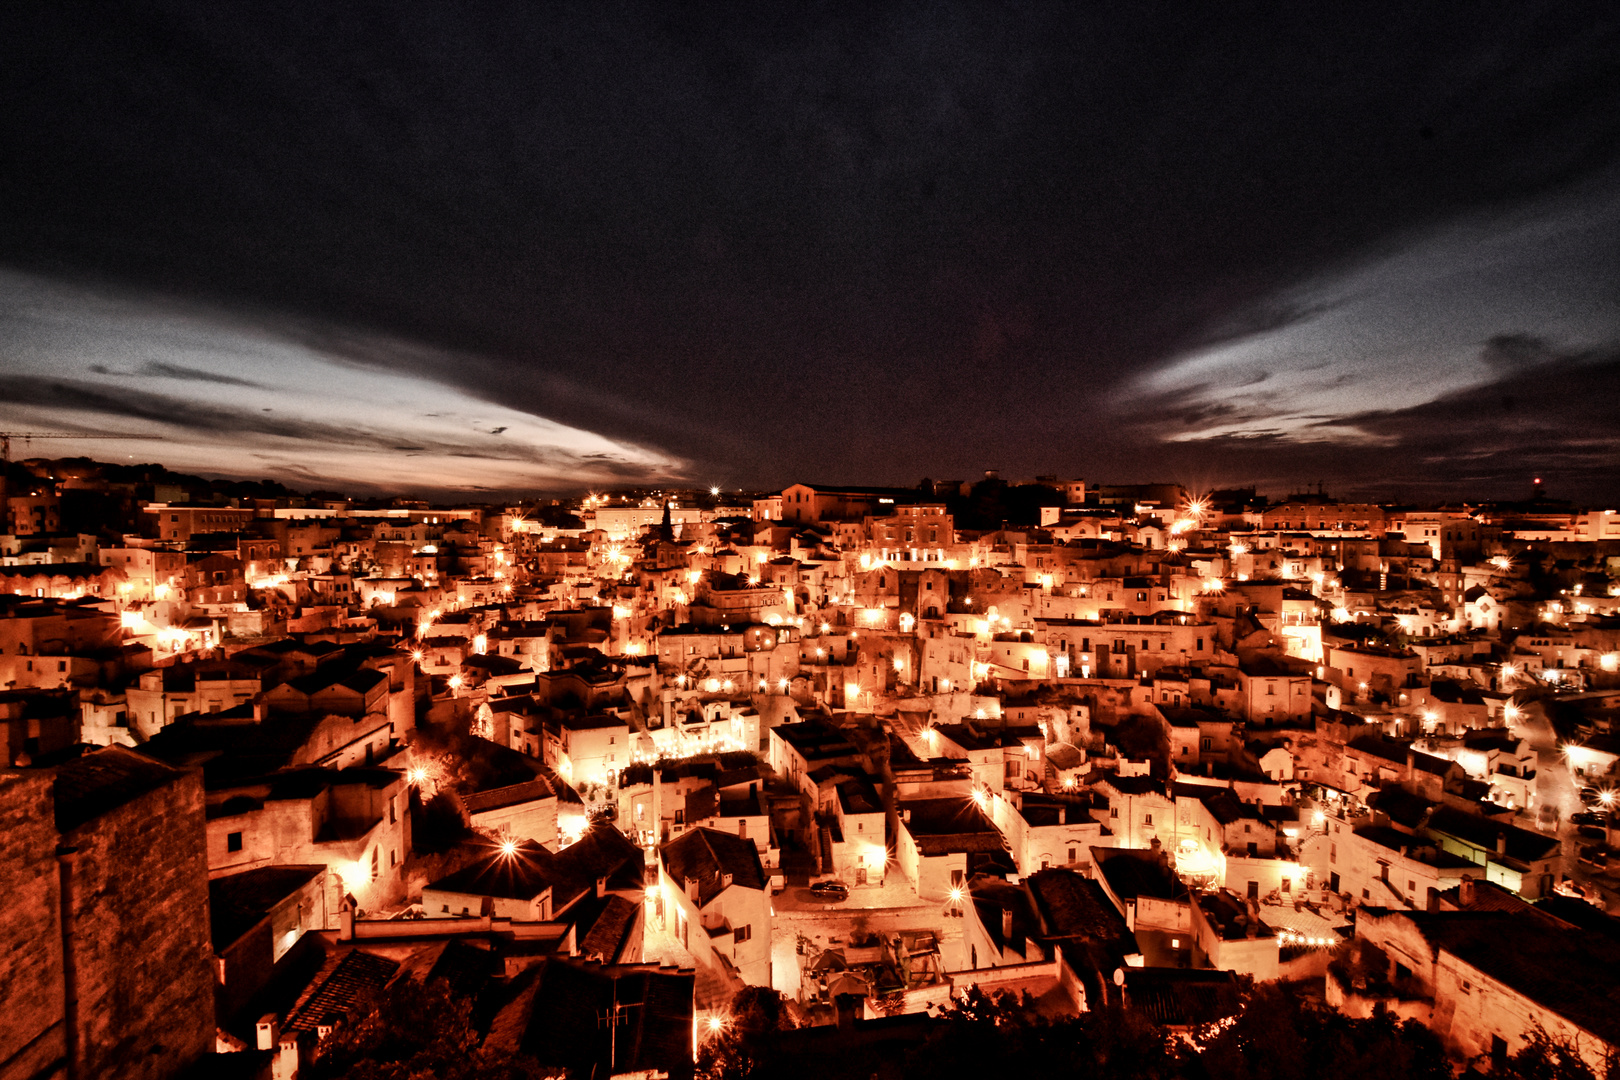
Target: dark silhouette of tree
1281	1034
744	1045
1545	1057
416	1031
986	1036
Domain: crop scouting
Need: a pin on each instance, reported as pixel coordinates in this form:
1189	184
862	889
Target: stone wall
32	1035
139	934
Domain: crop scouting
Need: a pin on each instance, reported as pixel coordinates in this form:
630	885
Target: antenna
611	1018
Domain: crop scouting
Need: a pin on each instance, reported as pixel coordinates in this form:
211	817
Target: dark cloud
161	369
176	412
869	243
1508	353
242	425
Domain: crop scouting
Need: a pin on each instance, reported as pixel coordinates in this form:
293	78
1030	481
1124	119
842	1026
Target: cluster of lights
1292	937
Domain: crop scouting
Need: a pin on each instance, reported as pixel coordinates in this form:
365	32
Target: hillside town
609	766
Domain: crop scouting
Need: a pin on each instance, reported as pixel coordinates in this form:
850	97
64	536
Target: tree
743	1046
416	1031
1281	1035
1004	1035
1545	1057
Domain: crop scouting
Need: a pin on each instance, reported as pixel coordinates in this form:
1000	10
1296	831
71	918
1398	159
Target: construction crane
7	436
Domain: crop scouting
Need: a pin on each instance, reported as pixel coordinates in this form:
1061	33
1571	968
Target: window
375	852
742	933
1147	819
1333	853
393	857
1113	811
393	813
1071	854
233	842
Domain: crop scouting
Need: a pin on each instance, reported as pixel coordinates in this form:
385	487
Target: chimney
1501	843
1006	924
1465	892
601	887
267	1032
1063	815
692	889
1411	762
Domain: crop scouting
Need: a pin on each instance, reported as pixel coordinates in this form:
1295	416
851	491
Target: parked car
1595	855
1590	796
1586	817
1593	832
830	890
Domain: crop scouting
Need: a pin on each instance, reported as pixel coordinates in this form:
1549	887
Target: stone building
109	957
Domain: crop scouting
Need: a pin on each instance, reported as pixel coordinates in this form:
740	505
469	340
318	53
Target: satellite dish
1119	976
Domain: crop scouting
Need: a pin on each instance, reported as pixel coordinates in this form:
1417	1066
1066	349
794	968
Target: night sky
521	247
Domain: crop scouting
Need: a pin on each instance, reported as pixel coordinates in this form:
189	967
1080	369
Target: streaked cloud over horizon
227	396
